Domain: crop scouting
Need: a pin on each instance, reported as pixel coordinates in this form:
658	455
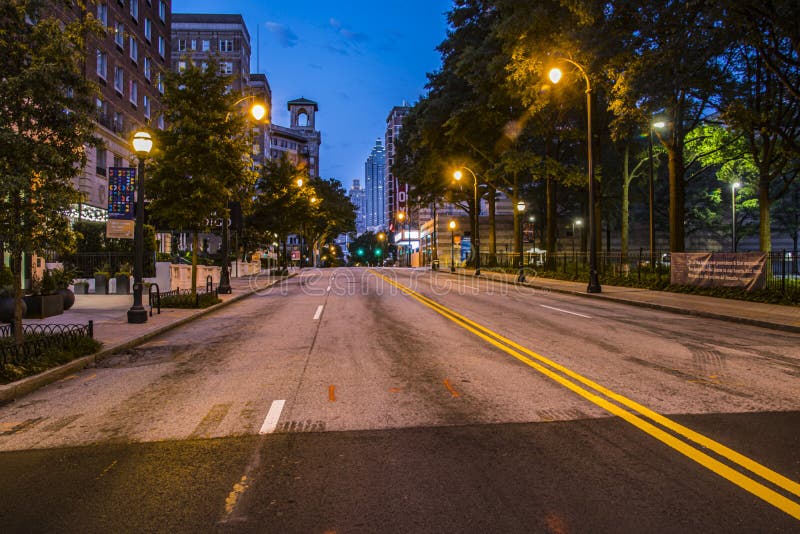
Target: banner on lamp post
121	202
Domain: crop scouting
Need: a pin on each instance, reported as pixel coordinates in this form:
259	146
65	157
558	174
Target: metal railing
87	263
38	339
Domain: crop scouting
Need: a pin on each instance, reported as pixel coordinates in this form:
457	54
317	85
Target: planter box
41	306
81	289
100	285
123	285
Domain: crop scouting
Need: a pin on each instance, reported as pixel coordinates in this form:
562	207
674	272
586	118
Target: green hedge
190	300
75	347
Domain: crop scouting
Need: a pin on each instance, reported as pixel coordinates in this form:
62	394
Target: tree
46	121
202	158
329	211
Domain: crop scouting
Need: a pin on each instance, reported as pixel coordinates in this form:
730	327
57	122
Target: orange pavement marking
452	391
332	393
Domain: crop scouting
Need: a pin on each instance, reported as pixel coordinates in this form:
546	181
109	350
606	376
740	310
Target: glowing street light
555	77
142	144
452	226
476	239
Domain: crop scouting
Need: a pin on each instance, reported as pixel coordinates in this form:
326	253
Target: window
162	10
119	34
161	122
102	14
101	163
205	45
181	66
146	106
119	79
117	125
194	44
134	92
148	29
147	68
135	9
118	159
102	64
161	46
134	49
160	83
204	66
225	45
226	67
181	45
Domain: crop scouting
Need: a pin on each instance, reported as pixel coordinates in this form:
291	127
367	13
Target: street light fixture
520	251
734	186
555	77
452	226
142	144
476	240
401	216
578	223
258	111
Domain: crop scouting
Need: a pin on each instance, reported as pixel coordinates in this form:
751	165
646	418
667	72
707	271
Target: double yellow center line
634	413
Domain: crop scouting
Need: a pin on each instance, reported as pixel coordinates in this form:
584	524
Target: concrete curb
9	392
651	305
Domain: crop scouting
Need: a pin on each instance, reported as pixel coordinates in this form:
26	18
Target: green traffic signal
378	252
361	252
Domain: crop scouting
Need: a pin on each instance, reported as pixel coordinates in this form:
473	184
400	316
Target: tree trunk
492	227
764	233
677	208
626	182
195	245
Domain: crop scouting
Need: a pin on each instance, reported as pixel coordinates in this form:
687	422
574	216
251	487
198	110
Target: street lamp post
555	77
452	226
435	235
258	111
401	216
142	143
520	248
476	241
659	124
734	185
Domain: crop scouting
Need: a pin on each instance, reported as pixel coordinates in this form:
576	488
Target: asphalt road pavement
356	400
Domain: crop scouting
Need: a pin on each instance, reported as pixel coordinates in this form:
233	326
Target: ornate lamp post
142	144
659	125
555	77
476	239
452	226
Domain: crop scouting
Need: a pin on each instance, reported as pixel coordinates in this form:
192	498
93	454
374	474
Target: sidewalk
773	316
109	314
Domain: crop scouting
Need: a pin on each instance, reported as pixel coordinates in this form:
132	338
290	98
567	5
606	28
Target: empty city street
399	400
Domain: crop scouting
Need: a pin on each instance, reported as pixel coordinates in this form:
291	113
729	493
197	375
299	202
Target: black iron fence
782	267
38	339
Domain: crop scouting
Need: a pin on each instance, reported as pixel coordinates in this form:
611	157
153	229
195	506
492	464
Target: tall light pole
657	124
258	112
435	235
476	241
734	185
452	226
520	249
142	143
401	217
555	77
578	223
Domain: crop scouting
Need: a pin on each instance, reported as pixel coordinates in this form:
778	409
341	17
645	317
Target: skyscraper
358	197
396	190
374	178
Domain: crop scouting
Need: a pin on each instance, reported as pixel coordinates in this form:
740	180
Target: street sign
121	201
120	228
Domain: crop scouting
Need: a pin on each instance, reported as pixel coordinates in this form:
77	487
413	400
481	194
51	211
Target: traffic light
360	252
378	252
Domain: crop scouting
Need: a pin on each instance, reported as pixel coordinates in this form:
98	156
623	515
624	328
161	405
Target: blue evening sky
357	59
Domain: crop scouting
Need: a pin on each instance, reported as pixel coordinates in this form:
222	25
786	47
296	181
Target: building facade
128	62
300	141
374	180
358	197
396	189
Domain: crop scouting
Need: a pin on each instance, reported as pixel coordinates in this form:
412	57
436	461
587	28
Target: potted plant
63	279
7	299
44	302
123	278
101	276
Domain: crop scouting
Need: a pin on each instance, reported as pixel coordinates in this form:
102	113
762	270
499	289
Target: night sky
356	59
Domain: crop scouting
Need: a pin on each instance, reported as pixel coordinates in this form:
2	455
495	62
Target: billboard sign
719	269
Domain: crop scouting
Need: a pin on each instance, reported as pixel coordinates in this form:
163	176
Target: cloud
315	66
348	38
286	37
